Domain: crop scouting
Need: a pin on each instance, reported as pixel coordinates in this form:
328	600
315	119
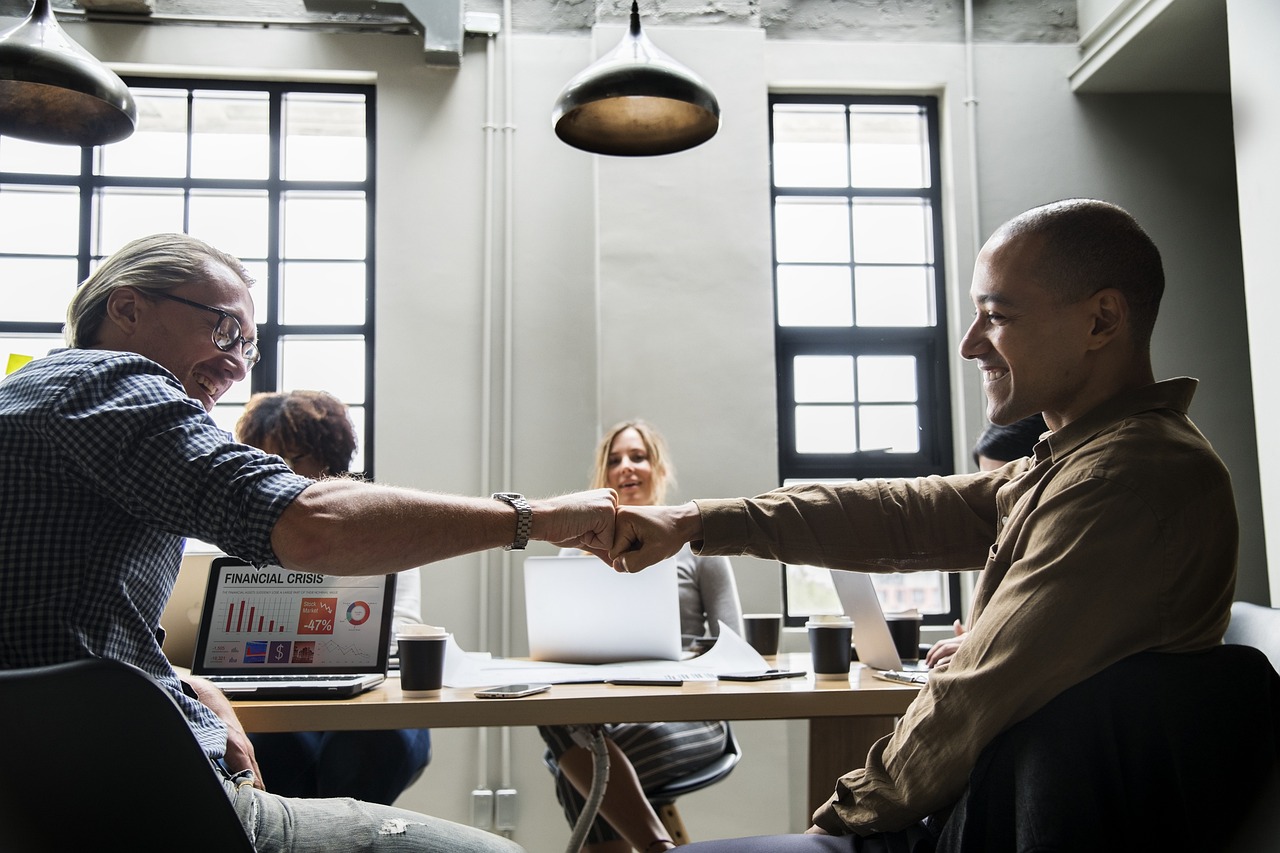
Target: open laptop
871	635
581	611
181	616
274	633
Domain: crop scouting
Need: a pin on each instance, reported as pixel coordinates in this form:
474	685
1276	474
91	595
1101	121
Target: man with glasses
109	458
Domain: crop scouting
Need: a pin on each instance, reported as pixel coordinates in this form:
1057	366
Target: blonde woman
632	460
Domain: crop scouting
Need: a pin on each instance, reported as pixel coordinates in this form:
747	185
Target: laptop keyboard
278	679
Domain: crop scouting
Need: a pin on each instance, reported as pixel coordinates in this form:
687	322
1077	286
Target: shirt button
1004	520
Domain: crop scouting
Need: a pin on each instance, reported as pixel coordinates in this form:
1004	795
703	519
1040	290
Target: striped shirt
106	466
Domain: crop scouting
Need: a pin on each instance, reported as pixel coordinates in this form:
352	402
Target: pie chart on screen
358	612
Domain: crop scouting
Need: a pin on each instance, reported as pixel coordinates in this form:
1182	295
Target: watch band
524	518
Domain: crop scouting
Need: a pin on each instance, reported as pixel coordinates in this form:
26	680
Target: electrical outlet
482	809
505	810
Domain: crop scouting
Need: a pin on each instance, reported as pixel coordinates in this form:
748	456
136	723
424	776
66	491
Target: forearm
345	527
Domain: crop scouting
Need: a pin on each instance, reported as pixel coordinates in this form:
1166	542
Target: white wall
1253	27
642	288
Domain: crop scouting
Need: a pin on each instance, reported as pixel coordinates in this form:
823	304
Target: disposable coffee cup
421	659
762	631
830	641
905	630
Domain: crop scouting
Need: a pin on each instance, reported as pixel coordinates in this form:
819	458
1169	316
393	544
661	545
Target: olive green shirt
1119	536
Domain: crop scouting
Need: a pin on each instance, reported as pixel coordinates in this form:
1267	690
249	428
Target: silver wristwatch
524	518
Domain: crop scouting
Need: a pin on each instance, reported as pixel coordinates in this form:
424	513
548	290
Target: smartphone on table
762	675
511	691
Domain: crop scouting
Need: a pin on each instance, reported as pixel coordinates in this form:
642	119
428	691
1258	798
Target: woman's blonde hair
664	472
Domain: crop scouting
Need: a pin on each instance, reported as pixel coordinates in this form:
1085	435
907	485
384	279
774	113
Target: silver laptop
871	635
274	633
581	611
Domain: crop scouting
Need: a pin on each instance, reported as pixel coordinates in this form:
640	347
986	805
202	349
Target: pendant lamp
52	90
636	101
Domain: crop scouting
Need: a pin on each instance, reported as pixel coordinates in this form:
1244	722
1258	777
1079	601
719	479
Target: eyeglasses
226	334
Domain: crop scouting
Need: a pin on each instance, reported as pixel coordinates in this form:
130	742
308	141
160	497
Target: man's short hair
156	263
1089	245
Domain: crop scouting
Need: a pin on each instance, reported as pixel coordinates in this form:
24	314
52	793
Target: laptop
181	616
871	635
579	610
278	634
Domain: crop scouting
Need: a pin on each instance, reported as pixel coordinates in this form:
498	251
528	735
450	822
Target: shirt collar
1172	394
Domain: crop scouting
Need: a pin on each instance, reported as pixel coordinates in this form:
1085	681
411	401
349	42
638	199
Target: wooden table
845	717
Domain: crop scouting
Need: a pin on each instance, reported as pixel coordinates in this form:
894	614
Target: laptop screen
274	620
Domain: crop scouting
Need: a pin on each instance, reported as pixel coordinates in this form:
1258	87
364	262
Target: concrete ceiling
1157	46
1143	46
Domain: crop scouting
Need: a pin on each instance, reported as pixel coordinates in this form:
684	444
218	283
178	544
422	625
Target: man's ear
124	309
1110	316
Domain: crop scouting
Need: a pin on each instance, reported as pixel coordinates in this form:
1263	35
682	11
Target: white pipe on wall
508	338
486	370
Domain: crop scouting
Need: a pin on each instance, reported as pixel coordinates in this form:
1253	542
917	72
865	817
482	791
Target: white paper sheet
480	669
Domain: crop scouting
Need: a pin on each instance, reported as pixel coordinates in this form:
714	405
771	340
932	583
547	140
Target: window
280	175
859	297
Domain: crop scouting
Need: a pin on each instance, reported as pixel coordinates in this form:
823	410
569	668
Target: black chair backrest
1120	761
1257	626
98	755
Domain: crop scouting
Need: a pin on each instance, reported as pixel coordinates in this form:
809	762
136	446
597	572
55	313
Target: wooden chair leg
670	817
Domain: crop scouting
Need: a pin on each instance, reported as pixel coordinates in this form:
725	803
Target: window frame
271	332
929	345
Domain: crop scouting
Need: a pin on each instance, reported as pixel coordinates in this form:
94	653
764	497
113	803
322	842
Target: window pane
324	137
324	225
239	392
357	421
812	229
39	220
335	365
36	290
231	135
158	147
226	416
814	296
809	146
36	158
825	429
126	214
892	231
234	222
892	428
894	296
923	591
824	379
36	346
889	146
887	379
810	591
257	271
322	293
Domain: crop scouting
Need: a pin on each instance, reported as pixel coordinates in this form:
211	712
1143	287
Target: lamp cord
599	779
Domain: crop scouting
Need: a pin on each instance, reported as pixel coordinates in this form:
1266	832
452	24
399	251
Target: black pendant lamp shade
52	90
636	101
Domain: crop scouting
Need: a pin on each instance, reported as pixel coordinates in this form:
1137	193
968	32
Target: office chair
1156	752
663	798
97	754
1257	626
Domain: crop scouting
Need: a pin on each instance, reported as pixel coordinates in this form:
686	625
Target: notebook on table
871	635
274	633
581	611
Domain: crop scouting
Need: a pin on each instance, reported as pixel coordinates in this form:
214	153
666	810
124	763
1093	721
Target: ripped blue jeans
288	825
